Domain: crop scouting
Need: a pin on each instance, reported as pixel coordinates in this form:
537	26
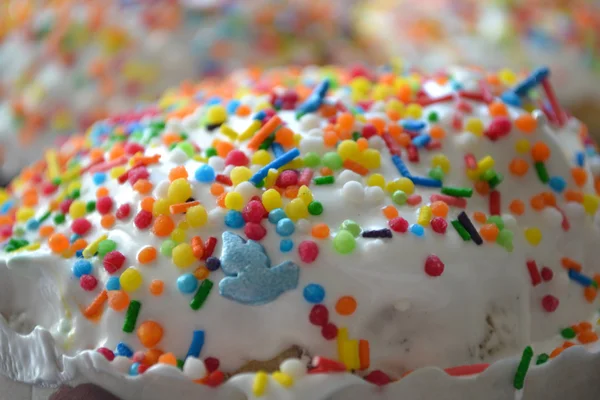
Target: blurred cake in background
66	63
563	35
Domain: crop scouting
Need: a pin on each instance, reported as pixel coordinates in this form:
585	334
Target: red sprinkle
254	211
104	205
123	211
439	225
434	266
398	224
413	153
236	158
81	226
131	148
64	206
378	378
547	274
465	370
107	353
308	251
369	130
137	173
255	231
214	379
470	161
319	315
223	179
494	202
550	303
324	365
329	331
88	282
211	364
209	247
113	261
459	202
414	199
534	273
143	219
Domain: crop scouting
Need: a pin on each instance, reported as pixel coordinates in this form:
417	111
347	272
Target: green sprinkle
356	136
131	316
15	244
344	242
19	231
461	230
90	206
352	227
315	208
166	248
312	159
496	220
57	181
187	148
487	175
496	180
201	294
106	246
523	367
436	173
59	219
267	143
433	117
158	124
260	184
75	194
457	192
45	216
324	180
399	197
179	363
333	160
505	239
542	172
210	152
568	333
542	358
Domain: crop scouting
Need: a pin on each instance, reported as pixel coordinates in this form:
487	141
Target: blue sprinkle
400	166
74	237
456	85
421	140
196	345
511	98
213	263
81	267
557	183
213	101
133	369
277	149
426	182
417	230
285	227
232	106
580	278
314	101
413	125
531	81
250	279
276	215
187	283
314	293
99	178
123	350
113	283
234	219
7	205
79	253
259	116
205	174
580	159
286	245
32	224
275	164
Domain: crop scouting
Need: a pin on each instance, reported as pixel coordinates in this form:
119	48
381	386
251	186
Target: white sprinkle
293	367
374	195
121	363
314	144
247	190
303	225
161	189
353	192
177	156
217	163
348	176
194	368
309	121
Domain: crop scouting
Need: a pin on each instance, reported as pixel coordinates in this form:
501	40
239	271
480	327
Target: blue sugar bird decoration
250	278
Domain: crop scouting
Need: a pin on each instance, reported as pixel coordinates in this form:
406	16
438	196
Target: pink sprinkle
88	282
143	219
107	353
65	205
104	205
439	225
457	121
254	211
131	148
123	211
254	231
319	315
470	161
113	261
547	274
534	273
211	364
308	251
550	303
305	177
398	224
287	178
81	226
414	199
48	188
378	378
450	200
137	173
329	331
434	266
236	158
138	356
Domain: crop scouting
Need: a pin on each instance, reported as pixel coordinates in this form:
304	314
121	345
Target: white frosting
480	309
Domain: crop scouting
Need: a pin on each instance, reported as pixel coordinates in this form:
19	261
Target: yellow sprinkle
261	381
199	158
533	236
271	177
522	146
229	132
425	216
24	214
440	160
486	163
350	354
473	174
250	131
590	203
52	161
72	173
376	180
475	126
341	338
92	248
283	379
117	172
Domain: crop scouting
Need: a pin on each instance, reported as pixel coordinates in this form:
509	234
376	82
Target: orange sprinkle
596	278
146	255
439	209
149	333
223	148
346	305
355	167
170	138
168	358
584	326
291	192
346	121
94	308
178	172
118	300
498	109
390	212
576	329
101	192
568	263
537	202
437	132
556	352
526	123
163	225
46	230
482	187
393	115
330	138
362	143
549	199
243	110
201	273
573	196
107	221
58	242
143	186
404	139
156	287
182	207
489	232
147	203
379	124
566	344
79	244
151	356
285	137
117	150
517	207
216	189
587	337
518	167
540	152
364	354
479	217
146	160
325	171
264	132
197	247
579	175
320	231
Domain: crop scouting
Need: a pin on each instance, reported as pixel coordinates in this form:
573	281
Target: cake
298	230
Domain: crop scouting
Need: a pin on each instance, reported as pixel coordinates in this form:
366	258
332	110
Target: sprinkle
426	182
542	359
209	247
470	161
267	129
305	177
182	207
463	218
250	131
92	248
283	379
421	141
551	96
542	172
413	154
315	99
355	167
494	202
196	345
201	294
523	367
94	308
550	303
391	145
377	233
534	273
260	383
457	192
106	166
275	164
52	164
324	180
466	370
449	200
580	278
131	316
401	166
425	215
325	365
223	179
